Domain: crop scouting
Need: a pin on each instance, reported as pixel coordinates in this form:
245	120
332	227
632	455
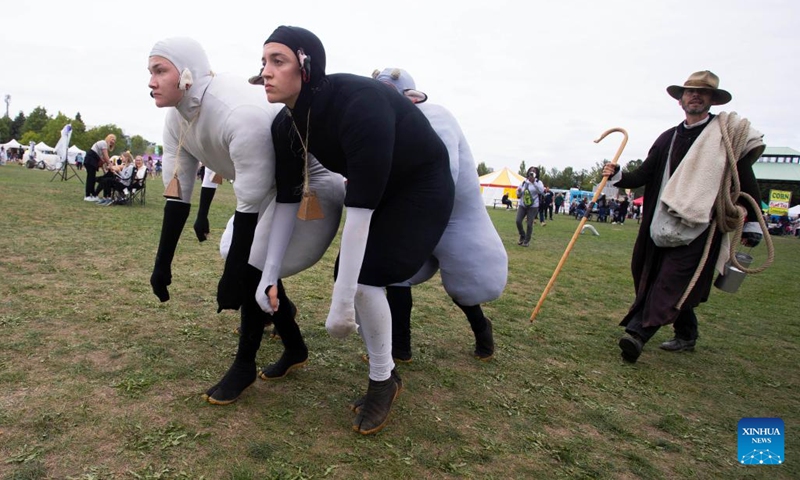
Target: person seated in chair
140	174
507	202
117	179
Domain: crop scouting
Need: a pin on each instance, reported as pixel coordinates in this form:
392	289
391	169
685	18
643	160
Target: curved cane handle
622	145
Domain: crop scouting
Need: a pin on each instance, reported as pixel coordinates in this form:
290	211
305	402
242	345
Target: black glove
201	228
175	215
231	289
751	239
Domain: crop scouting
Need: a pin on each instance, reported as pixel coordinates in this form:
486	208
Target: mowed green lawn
99	380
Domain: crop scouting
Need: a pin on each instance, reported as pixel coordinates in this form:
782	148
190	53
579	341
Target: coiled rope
728	216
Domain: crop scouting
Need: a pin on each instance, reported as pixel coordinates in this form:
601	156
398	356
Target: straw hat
706	80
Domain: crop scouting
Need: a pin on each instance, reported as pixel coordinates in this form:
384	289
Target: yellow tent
494	185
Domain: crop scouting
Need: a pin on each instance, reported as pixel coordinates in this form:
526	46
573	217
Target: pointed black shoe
290	360
484	343
631	348
236	380
356	404
377	404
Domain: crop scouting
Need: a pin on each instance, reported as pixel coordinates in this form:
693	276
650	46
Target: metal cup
733	277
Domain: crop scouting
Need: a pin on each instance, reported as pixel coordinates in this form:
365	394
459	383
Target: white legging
375	326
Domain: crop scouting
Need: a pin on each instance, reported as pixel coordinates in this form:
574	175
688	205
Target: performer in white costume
470	255
223	122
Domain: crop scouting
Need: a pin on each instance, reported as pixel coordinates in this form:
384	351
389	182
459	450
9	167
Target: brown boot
377	404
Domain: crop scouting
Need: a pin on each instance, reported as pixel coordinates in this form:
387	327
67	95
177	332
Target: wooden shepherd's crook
583	220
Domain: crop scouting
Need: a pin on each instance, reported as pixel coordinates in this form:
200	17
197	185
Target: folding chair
138	188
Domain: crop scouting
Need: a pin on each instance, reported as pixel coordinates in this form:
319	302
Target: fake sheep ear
186	80
415	95
396	73
375	73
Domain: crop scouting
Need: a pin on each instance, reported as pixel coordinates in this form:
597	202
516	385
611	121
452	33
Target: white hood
191	61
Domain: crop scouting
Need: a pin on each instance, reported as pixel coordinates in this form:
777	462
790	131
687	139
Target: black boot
356	404
290	360
295	352
374	411
484	343
238	377
631	347
243	372
481	328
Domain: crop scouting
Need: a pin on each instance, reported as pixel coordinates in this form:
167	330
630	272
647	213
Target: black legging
91	162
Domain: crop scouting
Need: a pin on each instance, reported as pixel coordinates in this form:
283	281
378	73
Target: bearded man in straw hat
682	173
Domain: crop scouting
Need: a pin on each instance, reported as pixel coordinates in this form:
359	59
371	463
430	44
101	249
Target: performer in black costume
398	200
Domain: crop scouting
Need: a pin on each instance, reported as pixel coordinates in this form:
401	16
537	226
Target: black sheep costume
398	186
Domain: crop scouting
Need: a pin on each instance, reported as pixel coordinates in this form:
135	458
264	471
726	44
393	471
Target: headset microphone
152	95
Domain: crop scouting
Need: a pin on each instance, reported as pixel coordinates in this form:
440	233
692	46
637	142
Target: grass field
100	380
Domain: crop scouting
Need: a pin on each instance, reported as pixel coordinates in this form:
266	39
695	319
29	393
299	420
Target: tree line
38	126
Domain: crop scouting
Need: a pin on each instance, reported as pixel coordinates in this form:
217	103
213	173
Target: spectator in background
622	211
507	202
79	161
139	175
528	206
3	156
580	209
559	201
97	157
117	178
548	205
602	208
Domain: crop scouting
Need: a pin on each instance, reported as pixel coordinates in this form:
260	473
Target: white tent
794	211
73	152
41	146
12	144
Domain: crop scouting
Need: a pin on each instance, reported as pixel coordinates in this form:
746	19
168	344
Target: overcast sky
529	81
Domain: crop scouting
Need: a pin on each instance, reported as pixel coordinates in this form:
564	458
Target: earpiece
186	80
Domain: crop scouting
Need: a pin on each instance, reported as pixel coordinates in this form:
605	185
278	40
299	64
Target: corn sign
779	202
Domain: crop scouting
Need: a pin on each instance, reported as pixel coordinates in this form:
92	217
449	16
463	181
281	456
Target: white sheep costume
470	255
224	122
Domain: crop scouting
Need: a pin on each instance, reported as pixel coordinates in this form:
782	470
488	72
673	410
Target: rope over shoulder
729	216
